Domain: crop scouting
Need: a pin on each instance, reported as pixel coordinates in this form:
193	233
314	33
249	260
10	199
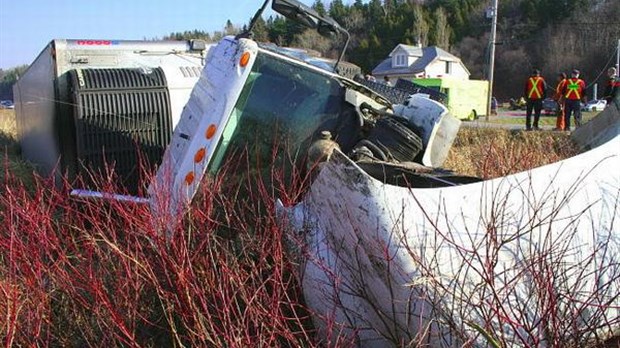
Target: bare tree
311	39
420	29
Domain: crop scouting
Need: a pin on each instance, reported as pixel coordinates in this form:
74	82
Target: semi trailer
86	105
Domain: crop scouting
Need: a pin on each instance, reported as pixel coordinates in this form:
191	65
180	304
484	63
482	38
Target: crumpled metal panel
393	264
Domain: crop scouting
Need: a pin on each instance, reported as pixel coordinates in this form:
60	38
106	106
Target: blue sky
26	26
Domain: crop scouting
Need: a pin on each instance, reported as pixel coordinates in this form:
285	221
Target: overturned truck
393	250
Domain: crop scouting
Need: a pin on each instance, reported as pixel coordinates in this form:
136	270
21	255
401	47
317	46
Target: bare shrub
80	272
77	272
536	285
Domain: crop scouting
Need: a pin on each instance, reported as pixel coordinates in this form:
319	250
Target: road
507	119
515	120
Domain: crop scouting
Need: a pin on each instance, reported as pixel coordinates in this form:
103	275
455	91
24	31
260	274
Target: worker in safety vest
535	92
573	93
559	98
612	89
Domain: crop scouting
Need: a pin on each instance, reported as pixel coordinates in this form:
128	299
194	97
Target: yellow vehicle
467	99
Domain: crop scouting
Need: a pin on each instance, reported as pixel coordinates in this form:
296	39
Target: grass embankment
545	120
93	273
491	152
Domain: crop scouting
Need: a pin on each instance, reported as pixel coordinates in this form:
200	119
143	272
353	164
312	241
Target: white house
408	62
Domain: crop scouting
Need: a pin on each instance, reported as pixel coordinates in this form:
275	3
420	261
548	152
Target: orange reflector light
245	59
200	155
189	178
211	131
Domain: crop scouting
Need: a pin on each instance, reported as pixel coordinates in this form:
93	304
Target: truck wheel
396	139
472	115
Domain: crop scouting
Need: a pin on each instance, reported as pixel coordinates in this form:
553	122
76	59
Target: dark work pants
570	106
535	104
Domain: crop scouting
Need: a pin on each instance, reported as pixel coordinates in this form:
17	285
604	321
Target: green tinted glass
282	108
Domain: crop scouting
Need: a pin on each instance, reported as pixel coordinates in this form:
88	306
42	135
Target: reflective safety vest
535	87
559	88
574	87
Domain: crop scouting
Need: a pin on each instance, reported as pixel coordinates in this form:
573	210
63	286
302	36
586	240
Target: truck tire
472	115
395	139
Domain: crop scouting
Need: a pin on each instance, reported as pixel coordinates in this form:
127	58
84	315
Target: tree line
7	79
552	35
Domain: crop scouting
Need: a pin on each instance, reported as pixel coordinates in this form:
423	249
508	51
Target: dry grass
9	150
491	152
8	126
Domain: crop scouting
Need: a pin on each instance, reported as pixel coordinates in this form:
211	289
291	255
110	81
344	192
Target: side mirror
298	12
328	27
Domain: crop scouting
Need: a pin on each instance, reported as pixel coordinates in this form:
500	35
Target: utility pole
492	56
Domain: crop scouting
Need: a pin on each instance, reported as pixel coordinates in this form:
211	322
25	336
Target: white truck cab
253	98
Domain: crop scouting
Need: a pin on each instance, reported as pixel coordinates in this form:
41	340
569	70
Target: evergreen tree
319	7
277	30
8	79
543	12
375	11
420	28
440	32
260	30
230	29
337	11
189	35
388	5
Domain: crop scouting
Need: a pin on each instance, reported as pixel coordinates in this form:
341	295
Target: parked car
594	105
518	104
550	106
7	104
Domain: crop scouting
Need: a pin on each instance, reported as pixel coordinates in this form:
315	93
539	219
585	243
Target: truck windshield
282	108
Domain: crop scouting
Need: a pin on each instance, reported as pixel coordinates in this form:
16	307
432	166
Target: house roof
426	56
415	51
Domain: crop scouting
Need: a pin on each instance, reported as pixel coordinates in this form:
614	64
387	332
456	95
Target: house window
448	68
401	60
